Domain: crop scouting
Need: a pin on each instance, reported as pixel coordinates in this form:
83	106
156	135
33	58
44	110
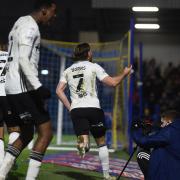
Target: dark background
80	15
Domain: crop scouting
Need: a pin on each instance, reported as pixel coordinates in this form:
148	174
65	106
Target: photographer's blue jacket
165	158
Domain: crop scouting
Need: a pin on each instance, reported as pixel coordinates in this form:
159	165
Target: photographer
143	155
164	162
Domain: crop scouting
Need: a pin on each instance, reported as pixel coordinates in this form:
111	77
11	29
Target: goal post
117	103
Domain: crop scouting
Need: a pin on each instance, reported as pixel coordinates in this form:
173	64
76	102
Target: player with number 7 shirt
86	113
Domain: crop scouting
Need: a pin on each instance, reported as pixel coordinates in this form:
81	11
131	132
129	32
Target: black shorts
4	110
88	119
28	108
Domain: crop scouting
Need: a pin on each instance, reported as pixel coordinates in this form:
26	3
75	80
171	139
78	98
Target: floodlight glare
145	9
44	72
147	26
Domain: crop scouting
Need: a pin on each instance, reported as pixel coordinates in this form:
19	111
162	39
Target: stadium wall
162	47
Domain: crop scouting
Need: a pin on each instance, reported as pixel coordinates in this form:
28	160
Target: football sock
34	165
1	151
104	158
11	154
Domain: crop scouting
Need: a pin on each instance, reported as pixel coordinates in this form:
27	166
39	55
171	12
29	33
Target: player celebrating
25	92
84	108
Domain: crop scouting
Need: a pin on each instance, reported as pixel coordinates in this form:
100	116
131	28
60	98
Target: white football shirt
25	32
81	79
3	68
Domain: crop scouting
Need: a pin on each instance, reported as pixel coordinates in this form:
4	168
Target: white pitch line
74	149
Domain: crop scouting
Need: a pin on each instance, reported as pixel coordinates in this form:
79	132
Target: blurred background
108	19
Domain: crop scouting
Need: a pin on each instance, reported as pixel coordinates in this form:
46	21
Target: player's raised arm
114	81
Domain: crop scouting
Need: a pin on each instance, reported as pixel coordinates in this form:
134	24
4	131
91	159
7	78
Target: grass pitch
55	172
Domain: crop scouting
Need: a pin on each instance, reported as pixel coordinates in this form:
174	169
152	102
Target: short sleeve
100	72
64	77
28	36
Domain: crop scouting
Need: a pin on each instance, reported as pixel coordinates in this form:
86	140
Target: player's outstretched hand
127	70
44	92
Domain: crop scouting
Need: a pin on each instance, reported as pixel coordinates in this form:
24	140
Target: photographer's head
82	52
168	117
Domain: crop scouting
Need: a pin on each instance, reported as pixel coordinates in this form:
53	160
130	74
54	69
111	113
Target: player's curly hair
38	4
81	51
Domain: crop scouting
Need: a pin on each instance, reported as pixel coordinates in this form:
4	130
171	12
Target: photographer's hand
135	125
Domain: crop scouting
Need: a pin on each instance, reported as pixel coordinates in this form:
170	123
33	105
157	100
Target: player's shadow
77	175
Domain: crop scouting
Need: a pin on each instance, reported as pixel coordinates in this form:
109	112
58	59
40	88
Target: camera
147	125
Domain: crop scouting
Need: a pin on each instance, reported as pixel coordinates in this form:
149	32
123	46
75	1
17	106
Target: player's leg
1	143
1	133
98	131
81	128
12	137
19	114
44	135
103	156
13	132
14	150
44	132
83	144
6	116
11	122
